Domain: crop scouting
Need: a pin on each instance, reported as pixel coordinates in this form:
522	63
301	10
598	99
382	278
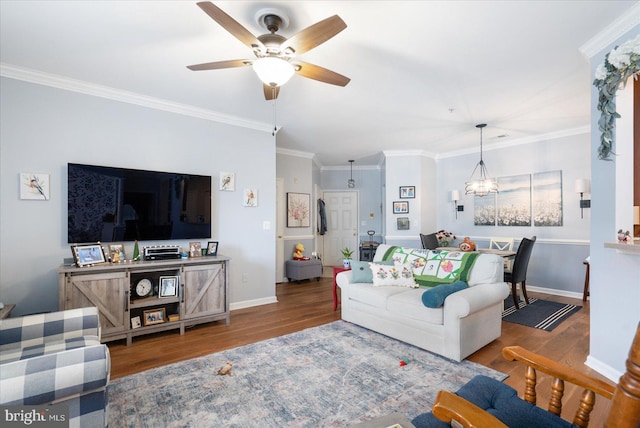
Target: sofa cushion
361	271
434	297
399	275
374	296
408	304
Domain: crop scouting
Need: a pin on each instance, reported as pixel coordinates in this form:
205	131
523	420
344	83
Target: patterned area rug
333	375
540	314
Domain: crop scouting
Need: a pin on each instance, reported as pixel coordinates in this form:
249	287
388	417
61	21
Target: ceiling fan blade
231	25
321	74
269	92
232	63
314	35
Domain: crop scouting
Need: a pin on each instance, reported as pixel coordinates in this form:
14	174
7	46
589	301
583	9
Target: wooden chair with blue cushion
486	402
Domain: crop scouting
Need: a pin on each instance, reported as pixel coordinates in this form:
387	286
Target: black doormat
541	314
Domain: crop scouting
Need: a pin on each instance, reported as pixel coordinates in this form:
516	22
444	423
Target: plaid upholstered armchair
56	358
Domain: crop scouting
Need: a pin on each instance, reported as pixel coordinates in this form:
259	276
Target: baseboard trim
554	292
604	369
252	303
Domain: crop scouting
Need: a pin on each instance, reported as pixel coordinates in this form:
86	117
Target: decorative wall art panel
484	210
547	198
514	200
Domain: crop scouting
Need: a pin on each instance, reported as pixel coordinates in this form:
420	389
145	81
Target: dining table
502	253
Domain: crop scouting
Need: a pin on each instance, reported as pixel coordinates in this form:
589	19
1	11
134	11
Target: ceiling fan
275	53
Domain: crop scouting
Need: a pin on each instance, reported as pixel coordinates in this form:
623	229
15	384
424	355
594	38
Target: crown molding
87	88
296	153
397	153
519	142
612	32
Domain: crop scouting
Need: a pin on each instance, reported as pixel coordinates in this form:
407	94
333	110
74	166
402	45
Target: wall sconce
455	197
583	186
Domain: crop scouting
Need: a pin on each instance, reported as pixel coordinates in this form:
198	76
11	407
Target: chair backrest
430	241
521	263
503	244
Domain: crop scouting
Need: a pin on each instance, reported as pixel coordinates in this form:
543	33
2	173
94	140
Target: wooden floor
310	304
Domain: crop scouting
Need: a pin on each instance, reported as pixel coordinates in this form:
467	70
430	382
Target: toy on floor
404	361
226	369
298	253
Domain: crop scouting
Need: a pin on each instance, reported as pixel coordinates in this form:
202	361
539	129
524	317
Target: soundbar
164	252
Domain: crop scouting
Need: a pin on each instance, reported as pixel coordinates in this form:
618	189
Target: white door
279	230
342	226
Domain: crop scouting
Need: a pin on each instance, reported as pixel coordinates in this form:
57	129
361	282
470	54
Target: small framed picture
195	249
168	286
227	181
88	254
116	253
34	186
212	248
250	198
403	223
135	322
154	316
401	207
407	192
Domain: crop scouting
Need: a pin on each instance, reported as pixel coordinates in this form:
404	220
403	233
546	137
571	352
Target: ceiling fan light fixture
481	186
273	71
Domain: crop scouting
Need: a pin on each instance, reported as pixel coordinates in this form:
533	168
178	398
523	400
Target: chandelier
351	183
482	185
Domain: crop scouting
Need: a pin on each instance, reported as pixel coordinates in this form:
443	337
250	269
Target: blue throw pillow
362	271
434	297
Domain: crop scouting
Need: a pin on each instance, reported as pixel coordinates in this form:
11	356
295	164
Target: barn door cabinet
201	294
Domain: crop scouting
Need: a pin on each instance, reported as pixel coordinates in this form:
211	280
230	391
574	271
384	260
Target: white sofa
468	320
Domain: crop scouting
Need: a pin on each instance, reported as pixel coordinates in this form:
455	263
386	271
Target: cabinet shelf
202	293
152	301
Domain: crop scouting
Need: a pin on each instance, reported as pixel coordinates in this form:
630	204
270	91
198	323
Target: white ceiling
423	73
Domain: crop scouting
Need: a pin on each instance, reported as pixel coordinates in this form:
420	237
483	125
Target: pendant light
351	183
482	185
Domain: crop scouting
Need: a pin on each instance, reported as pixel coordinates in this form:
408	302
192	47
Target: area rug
333	375
541	314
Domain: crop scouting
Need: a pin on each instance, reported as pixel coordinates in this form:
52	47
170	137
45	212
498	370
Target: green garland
619	64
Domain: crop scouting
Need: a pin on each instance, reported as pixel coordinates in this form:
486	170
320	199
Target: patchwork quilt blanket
434	267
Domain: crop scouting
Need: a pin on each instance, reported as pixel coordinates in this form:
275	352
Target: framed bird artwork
227	181
34	186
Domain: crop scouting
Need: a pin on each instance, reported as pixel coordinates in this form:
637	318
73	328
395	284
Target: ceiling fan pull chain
275	129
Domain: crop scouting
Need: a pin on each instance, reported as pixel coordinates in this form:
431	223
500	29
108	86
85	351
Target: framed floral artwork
298	214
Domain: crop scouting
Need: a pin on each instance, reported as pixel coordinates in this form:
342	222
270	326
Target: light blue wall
370	190
43	128
568	243
615	277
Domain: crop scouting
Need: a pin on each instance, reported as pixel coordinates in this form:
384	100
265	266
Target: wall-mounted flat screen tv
110	204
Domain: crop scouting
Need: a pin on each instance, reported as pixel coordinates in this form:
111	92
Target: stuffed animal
298	252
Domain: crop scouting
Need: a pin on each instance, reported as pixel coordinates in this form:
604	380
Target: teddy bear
298	252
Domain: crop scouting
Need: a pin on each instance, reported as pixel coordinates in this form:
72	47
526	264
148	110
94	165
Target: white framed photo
135	322
168	286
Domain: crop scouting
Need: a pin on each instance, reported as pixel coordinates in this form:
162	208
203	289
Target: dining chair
429	242
519	273
503	244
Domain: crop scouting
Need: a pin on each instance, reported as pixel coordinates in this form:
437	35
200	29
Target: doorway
341	208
